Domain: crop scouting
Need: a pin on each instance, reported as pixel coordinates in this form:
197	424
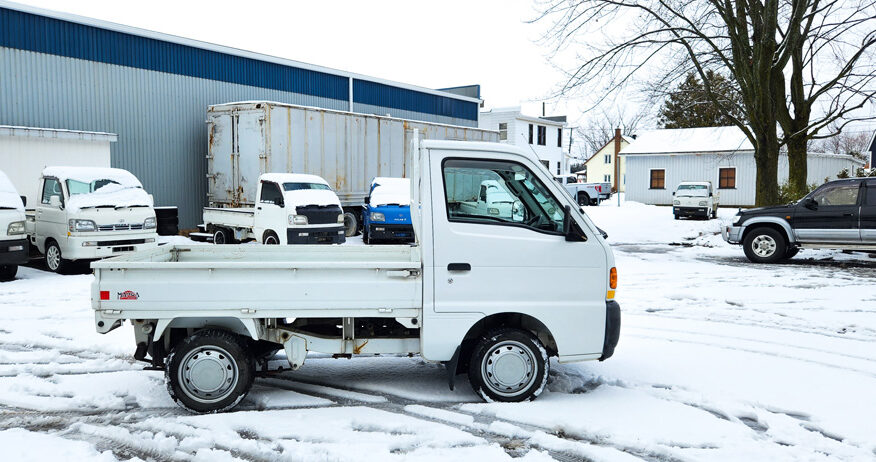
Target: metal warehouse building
69	72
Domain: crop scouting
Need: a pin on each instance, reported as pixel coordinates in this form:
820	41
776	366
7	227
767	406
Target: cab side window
512	194
271	193
51	187
837	194
871	193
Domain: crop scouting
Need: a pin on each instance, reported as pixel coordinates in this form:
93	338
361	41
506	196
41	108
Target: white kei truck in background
695	199
88	213
13	240
494	297
291	208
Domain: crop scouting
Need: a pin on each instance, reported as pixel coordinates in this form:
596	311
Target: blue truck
386	216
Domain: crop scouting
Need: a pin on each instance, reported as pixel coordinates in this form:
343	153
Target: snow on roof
385	190
689	140
37	132
8	195
292	178
89	174
115	195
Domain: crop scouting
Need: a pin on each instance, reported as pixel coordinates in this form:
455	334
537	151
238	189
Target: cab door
270	214
50	220
521	263
868	212
830	214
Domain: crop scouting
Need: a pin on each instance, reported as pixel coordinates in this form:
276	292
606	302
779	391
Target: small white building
543	135
660	159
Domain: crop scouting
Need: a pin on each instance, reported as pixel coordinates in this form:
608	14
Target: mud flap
451	367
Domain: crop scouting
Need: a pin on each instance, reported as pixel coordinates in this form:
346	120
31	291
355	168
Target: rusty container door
251	156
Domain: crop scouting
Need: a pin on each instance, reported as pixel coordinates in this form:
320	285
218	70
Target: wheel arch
244	327
777	224
506	319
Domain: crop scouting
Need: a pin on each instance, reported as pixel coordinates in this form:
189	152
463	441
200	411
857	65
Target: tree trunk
797	166
766	157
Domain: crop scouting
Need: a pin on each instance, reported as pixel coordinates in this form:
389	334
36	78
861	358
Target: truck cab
387	212
89	213
13	240
695	199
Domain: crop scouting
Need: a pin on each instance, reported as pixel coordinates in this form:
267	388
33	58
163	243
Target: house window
530	133
559	137
607	158
558	168
658	179
727	178
606	178
542	135
503	132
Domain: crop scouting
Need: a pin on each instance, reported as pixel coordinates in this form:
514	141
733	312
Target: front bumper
691	211
104	245
14	252
384	232
612	329
325	235
732	234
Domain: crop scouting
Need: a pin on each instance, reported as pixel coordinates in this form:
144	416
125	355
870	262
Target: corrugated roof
689	140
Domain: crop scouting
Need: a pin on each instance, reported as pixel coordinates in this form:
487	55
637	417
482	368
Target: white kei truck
290	208
493	297
13	240
695	199
88	213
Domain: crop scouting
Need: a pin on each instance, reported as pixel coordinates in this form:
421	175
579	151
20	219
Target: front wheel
271	238
7	272
210	371
54	261
508	365
764	245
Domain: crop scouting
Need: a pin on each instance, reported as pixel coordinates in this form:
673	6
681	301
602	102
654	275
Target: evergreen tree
689	106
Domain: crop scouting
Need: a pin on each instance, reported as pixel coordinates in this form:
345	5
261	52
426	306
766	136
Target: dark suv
840	214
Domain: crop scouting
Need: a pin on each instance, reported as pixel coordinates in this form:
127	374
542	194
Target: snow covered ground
718	359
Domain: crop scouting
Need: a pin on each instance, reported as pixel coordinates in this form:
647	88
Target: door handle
459	267
848	214
258	208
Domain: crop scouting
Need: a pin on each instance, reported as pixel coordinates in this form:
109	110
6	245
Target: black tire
270	238
715	212
351	224
525	375
220	236
583	199
791	252
53	258
765	245
675	215
7	272
366	237
210	371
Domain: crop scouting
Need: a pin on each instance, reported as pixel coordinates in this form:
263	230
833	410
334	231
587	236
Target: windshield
696	190
80	187
300	186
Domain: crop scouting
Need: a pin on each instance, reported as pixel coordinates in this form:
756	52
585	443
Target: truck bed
254	281
230	217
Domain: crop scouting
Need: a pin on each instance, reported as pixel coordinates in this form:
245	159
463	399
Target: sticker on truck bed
128	295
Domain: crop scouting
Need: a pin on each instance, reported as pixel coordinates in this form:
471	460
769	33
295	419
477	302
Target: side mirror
24	200
711	194
55	201
673	193
367	199
810	204
567	221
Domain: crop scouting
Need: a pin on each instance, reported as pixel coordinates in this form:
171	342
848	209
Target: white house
543	135
605	165
660	159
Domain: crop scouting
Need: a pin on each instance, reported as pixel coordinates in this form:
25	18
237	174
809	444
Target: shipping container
246	139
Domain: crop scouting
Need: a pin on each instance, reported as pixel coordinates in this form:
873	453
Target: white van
88	213
13	240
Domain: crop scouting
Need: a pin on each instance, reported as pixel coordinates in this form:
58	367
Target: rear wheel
54	261
7	272
221	237
764	245
210	371
351	224
508	365
271	238
583	198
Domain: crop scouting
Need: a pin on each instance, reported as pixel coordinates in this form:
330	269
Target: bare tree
753	41
854	143
599	128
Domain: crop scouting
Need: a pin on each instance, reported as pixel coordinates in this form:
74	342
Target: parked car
387	212
482	293
584	193
291	208
88	213
13	240
695	199
839	214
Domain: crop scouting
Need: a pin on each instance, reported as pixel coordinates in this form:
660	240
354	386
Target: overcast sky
434	44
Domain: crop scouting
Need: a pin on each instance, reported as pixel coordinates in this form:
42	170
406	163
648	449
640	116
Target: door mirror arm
810	204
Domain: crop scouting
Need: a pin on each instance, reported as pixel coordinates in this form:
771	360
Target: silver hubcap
208	374
509	368
53	257
763	246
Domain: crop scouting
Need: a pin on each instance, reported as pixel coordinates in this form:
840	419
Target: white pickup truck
13	240
291	208
491	296
584	193
88	213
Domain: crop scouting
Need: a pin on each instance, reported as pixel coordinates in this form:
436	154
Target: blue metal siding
378	94
31	32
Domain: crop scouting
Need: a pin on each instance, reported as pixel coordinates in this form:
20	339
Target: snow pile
386	191
8	195
112	194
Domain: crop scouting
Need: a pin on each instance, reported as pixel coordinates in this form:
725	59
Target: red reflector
598	188
104	295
